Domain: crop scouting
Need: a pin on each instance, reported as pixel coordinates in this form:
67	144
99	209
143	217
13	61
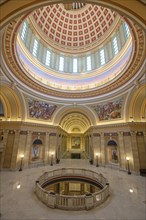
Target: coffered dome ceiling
73	34
73	29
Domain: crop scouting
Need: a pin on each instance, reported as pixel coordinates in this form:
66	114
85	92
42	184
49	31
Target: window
61	64
24	31
115	46
127	31
89	63
48	57
102	57
75	65
35	47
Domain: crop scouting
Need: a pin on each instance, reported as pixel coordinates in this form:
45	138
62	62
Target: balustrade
75	202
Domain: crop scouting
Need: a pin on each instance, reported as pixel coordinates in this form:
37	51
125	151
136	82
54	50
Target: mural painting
109	111
75	142
40	110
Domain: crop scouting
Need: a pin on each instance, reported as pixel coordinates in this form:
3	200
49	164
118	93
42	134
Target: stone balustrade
75	202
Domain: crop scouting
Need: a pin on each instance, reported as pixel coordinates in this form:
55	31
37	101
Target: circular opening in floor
72	189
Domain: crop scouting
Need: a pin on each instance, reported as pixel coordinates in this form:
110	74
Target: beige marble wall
8	150
141	146
130	139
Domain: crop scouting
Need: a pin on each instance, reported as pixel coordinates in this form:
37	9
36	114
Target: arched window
102	57
61	64
75	65
48	58
127	31
35	47
24	31
88	63
115	45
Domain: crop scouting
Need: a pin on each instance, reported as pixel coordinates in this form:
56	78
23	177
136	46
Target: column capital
17	131
102	134
144	133
29	132
133	133
120	133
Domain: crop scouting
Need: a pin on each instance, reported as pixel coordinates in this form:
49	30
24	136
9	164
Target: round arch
11	103
80	110
137	104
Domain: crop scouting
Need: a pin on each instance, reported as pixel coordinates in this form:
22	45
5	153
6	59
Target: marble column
122	151
5	136
102	157
144	135
92	189
82	188
66	188
46	151
15	150
135	152
57	188
27	149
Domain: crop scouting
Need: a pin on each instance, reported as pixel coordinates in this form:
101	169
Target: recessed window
75	63
61	64
35	47
127	31
24	31
88	63
102	57
115	46
48	57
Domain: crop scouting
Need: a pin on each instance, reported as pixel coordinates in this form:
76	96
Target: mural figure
108	111
76	142
114	155
41	110
35	151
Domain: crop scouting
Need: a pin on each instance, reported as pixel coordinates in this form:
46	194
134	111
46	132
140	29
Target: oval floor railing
75	202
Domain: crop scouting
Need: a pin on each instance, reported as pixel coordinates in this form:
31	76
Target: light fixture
52	154
128	166
21	156
97	165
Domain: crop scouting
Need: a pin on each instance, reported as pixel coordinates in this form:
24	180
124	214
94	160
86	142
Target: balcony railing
76	202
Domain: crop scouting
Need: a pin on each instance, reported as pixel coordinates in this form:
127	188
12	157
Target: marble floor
23	204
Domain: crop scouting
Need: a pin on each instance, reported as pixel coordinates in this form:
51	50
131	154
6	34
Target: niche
112	152
37	150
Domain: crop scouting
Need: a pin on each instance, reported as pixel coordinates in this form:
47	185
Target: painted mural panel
75	142
109	111
40	110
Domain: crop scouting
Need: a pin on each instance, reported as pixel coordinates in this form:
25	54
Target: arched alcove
137	106
36	153
12	105
112	152
68	112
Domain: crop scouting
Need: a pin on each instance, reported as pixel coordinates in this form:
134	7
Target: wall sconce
22	156
128	167
52	154
97	165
